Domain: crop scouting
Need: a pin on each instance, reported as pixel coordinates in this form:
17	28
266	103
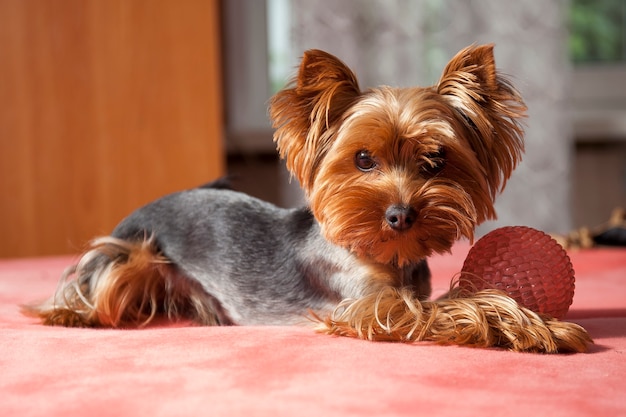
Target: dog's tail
488	318
120	283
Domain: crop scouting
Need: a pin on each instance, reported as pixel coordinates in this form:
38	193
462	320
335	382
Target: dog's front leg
485	319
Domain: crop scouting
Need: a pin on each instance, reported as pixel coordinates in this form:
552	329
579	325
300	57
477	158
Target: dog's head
395	174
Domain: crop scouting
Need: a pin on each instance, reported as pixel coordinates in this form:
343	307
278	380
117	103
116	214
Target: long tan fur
488	318
119	283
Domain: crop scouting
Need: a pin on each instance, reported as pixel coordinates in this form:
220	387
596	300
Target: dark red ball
527	264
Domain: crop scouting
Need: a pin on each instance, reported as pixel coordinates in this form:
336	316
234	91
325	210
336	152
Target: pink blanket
256	371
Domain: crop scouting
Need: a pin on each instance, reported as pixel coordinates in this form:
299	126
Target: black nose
400	217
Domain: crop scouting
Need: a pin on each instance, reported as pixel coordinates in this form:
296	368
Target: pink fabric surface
175	370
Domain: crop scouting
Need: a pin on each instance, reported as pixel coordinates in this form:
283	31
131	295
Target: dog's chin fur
392	176
444	216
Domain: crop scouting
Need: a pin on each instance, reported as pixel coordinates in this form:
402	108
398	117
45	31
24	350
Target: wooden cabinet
104	106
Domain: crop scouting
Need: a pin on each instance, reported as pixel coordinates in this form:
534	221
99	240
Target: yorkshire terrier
392	175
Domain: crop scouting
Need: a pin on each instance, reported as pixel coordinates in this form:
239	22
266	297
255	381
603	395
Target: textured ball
527	264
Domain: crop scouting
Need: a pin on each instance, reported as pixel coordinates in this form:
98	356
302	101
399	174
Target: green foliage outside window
597	31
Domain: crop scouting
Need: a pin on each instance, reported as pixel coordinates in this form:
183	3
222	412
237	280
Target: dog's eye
433	163
364	161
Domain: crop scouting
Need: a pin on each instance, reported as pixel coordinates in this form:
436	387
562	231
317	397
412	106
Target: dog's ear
306	113
490	108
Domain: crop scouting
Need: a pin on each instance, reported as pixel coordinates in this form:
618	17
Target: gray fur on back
263	264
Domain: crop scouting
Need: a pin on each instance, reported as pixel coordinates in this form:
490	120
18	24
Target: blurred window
597	31
597	48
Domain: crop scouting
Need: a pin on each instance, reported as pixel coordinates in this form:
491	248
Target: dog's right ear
305	114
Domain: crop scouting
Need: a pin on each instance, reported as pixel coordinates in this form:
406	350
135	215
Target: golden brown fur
488	318
119	283
472	114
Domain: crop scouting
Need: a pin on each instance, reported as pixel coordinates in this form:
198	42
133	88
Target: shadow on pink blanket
255	371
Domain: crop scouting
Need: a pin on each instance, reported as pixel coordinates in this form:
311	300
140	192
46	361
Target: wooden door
104	106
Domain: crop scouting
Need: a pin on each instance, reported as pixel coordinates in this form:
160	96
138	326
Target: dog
391	176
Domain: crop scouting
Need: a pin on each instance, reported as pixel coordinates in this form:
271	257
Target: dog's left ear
490	108
306	113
